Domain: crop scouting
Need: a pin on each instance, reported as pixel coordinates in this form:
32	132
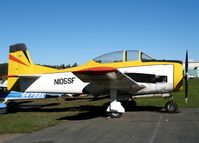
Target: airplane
123	75
7	96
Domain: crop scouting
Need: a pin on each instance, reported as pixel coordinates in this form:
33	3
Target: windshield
146	57
110	57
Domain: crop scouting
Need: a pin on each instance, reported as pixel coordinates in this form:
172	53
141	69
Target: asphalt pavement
132	127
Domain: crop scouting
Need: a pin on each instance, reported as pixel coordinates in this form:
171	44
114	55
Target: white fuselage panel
57	83
158	70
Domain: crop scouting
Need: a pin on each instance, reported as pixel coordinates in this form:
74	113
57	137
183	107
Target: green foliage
4	67
62	66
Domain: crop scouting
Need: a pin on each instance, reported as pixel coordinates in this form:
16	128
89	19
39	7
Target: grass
28	116
193	95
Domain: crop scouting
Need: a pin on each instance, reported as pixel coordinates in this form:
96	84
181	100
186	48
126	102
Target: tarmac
133	127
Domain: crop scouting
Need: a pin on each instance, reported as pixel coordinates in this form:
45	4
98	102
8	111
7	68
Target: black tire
125	104
116	115
171	106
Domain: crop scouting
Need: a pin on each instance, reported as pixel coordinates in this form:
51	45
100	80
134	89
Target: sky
69	31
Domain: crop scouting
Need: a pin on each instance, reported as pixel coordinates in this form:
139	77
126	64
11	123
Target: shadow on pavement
90	112
85	111
22	106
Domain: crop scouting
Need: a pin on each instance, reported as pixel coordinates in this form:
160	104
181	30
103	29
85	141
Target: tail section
20	64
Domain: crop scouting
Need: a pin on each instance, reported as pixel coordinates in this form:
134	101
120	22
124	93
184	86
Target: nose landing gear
171	106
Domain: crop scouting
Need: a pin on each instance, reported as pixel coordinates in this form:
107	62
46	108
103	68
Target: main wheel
129	104
171	106
116	115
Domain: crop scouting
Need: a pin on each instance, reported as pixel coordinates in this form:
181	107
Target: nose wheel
115	114
171	106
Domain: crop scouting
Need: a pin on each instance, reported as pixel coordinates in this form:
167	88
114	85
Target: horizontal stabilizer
30	76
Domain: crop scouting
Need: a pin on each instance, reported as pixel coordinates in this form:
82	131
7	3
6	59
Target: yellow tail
21	64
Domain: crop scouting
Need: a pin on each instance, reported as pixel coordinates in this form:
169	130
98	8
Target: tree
75	65
3	69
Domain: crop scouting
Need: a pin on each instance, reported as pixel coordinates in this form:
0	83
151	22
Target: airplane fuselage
158	78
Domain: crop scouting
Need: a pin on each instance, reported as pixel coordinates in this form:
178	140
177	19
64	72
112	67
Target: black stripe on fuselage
172	61
147	78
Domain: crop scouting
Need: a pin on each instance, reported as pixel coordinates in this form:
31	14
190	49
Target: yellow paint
15	69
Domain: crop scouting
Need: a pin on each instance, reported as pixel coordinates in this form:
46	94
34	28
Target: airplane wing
102	79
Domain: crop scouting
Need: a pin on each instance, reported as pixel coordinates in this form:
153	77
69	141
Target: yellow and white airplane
123	75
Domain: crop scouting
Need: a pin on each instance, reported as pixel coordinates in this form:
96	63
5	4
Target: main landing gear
115	108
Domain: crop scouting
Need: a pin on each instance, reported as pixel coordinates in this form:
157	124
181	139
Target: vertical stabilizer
19	63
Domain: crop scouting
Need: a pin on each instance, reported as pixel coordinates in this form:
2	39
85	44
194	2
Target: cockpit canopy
123	56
